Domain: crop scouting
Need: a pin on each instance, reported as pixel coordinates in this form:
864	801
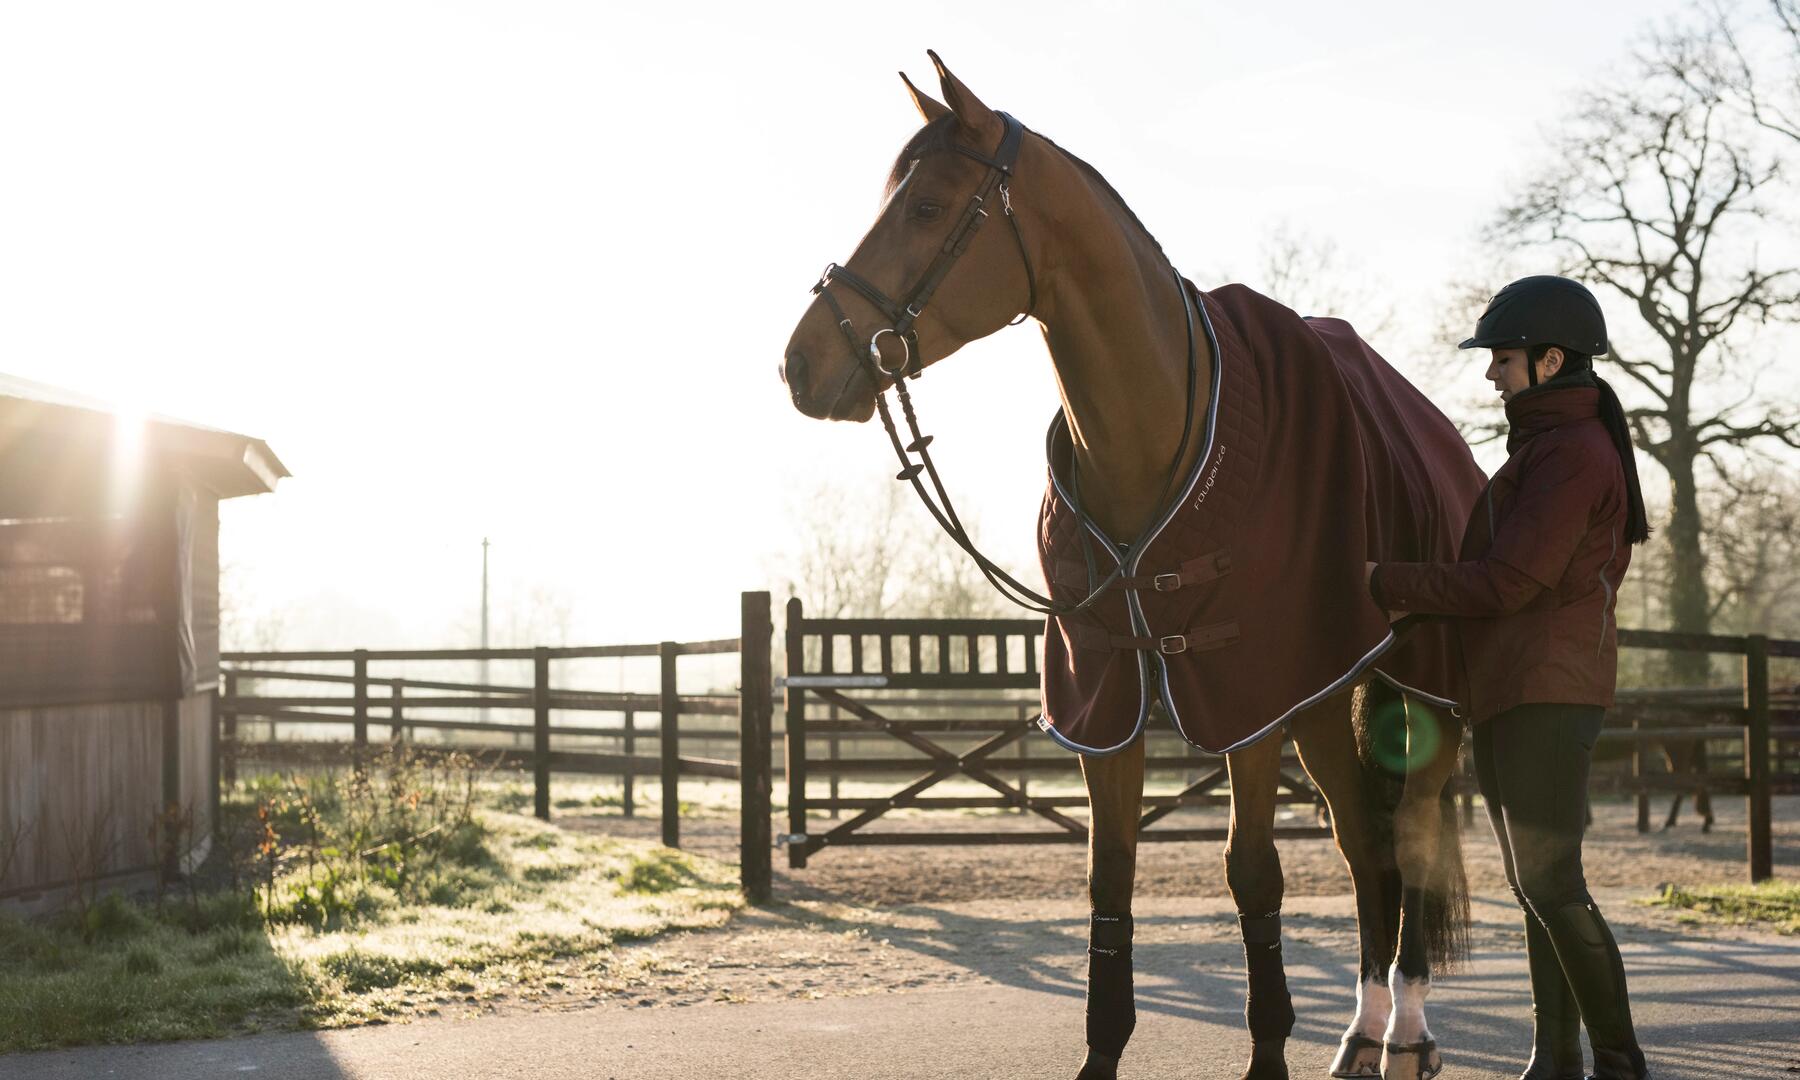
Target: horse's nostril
793	371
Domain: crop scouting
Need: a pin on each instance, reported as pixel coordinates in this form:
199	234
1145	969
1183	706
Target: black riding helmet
1542	310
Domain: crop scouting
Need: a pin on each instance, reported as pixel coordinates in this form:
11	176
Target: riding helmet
1542	310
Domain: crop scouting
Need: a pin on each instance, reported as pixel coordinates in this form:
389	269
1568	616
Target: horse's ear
929	107
971	114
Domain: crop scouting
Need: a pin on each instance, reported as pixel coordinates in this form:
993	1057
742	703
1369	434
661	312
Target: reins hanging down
903	315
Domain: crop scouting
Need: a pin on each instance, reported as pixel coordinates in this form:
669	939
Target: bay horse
1132	375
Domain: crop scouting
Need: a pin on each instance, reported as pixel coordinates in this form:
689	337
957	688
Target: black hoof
1412	1061
1098	1067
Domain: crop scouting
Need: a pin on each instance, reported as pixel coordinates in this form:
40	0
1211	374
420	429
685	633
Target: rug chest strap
1194	639
1196	571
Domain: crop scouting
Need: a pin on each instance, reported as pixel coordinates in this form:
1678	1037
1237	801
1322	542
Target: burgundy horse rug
1248	602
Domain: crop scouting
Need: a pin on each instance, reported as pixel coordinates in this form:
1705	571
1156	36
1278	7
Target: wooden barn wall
195	725
80	786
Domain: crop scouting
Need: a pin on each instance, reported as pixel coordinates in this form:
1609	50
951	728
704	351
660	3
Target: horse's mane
937	135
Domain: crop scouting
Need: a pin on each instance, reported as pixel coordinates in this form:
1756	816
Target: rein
902	318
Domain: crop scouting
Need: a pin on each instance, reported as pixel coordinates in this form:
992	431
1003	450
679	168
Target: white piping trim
1112	551
1415	692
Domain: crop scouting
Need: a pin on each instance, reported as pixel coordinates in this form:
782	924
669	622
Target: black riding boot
1111	1007
1556	1021
1596	974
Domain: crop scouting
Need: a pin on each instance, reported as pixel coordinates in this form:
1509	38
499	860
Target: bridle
903	315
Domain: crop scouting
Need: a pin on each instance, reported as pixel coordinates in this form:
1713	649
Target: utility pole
485	681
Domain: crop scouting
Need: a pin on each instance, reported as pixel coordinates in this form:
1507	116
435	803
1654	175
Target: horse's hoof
1412	1061
1358	1055
1268	1061
1098	1067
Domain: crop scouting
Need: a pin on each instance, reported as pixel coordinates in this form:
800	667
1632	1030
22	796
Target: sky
525	270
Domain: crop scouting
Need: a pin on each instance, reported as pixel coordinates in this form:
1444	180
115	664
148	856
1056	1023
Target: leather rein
902	316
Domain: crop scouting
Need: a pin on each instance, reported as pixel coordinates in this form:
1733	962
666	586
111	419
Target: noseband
902	316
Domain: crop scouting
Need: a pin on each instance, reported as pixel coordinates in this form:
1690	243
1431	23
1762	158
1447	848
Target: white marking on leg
1407	1024
1374	1004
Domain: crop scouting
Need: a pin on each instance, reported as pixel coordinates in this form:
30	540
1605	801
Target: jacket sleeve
1532	546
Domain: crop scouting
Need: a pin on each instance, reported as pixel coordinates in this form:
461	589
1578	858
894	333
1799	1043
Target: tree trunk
1690	607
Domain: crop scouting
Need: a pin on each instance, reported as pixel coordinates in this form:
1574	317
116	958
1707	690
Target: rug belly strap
1203	638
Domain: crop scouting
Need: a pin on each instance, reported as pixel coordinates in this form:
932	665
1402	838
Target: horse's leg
1327	746
1115	787
1676	756
1253	872
1428	851
1674	812
1702	797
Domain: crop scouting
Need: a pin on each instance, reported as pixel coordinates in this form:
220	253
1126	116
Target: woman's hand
1369	580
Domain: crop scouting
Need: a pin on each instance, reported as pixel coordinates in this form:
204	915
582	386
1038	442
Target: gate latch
796	838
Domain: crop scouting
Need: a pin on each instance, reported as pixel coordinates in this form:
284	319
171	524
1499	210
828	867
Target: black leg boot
1556	1021
1590	960
1111	1008
1268	1009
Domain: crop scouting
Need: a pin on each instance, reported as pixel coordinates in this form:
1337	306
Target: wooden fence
363	700
829	658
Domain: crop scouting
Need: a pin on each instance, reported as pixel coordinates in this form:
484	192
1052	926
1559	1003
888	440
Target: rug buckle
1172	643
1173	580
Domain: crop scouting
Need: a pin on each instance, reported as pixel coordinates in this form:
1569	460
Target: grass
1769	905
510	902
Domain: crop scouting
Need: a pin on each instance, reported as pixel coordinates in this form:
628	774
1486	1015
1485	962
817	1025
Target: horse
1120	325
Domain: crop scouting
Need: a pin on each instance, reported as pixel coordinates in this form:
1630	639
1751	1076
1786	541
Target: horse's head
940	267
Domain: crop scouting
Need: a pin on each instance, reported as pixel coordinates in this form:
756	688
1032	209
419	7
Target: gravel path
992	988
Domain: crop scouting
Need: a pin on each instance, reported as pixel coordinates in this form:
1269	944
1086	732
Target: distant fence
1753	730
363	700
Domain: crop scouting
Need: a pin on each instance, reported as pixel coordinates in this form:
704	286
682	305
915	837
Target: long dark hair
1612	414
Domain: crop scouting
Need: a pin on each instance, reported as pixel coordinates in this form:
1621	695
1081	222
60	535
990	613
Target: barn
109	639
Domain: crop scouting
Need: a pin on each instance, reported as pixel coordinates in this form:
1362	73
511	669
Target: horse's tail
1385	729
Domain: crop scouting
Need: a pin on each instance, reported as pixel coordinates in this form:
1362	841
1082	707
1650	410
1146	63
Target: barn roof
37	419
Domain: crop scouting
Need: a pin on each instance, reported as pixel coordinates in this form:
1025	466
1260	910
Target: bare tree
872	553
1656	194
1755	515
1310	273
1752	62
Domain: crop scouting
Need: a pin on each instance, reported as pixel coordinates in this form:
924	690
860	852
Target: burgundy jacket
1542	558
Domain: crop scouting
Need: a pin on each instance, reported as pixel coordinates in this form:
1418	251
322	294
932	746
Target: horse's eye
926	210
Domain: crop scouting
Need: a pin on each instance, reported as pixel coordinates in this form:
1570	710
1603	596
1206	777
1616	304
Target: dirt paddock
1615	855
885	920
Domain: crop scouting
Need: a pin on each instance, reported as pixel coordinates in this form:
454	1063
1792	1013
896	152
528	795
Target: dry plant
89	846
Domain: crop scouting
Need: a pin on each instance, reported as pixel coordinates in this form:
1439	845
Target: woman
1543	554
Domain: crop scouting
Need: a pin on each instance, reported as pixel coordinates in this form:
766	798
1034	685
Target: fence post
629	798
397	712
540	730
228	714
1637	772
361	700
833	751
756	703
795	741
670	736
1024	717
1756	756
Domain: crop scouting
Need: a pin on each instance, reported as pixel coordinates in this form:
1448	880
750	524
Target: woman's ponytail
1612	414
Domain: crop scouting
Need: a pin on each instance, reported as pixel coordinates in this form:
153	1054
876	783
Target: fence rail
859	674
392	707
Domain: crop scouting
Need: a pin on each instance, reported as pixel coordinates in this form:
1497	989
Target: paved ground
1709	1003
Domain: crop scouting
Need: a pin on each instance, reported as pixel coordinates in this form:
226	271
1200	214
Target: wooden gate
863	673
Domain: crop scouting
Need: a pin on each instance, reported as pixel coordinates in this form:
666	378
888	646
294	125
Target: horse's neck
1118	334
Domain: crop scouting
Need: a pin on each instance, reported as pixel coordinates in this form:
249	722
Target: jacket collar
1550	405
